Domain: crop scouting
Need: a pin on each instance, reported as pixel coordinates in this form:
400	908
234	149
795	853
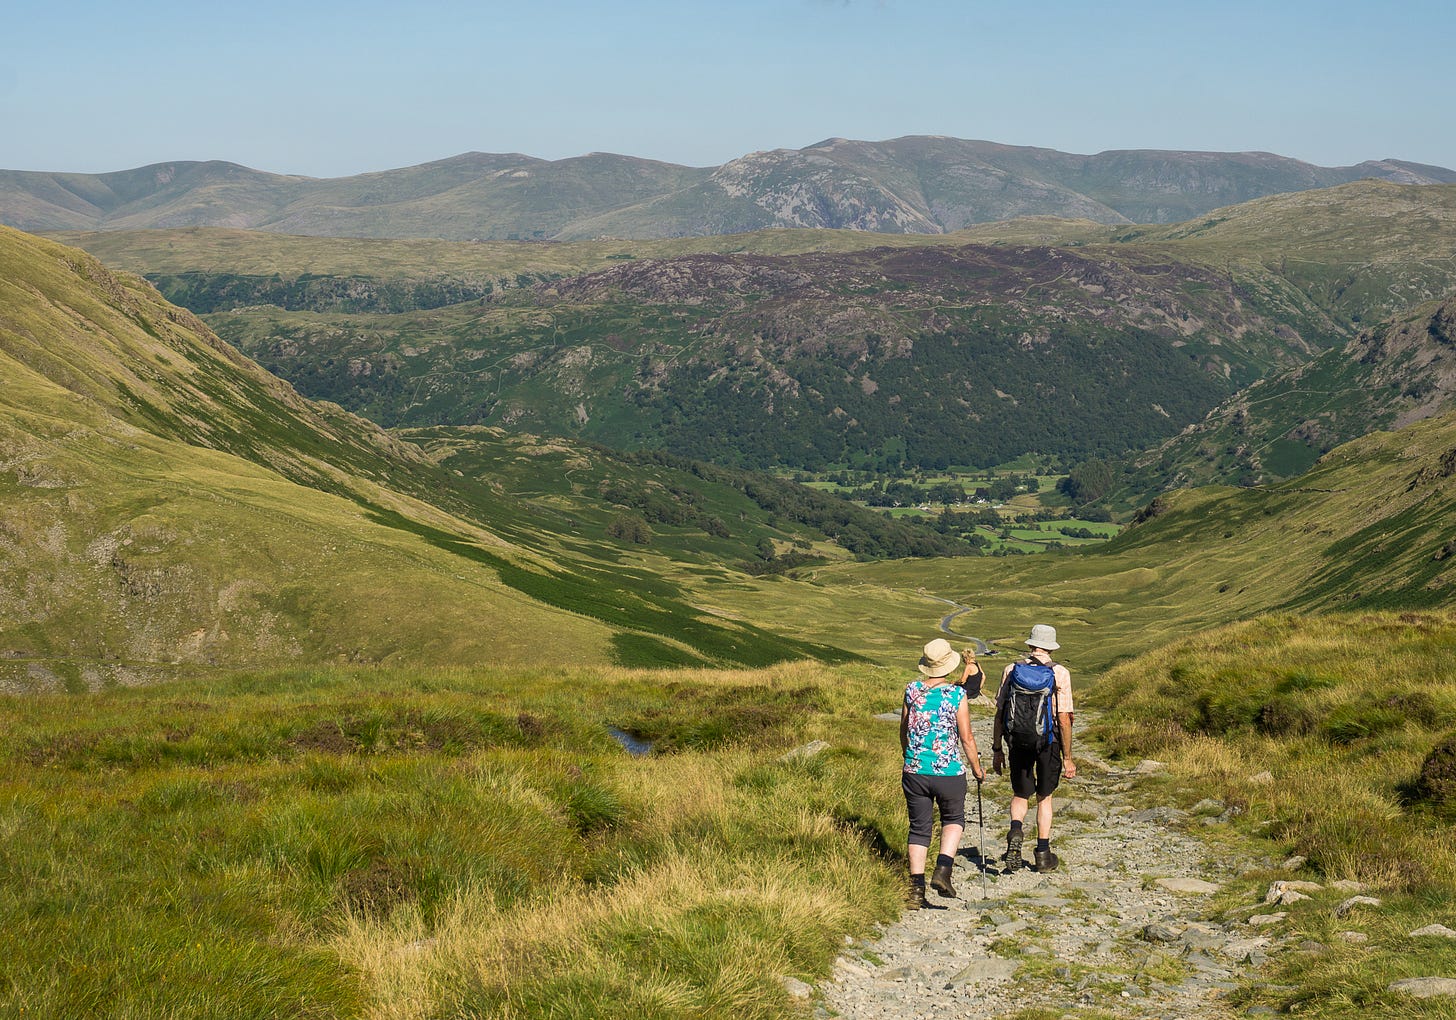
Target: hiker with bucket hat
1034	716
935	731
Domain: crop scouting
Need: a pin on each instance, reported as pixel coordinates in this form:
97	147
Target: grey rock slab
1242	949
1355	937
1264	920
1277	890
809	750
1209	806
1423	987
1185	886
1355	903
888	717
1437	930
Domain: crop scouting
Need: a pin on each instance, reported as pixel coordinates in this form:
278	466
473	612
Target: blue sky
330	89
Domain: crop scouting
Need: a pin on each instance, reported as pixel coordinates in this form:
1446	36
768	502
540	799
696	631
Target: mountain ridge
912	184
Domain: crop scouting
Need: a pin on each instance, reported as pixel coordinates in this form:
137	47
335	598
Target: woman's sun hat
1043	636
940	659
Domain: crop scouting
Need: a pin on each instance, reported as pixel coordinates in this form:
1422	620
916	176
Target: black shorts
1036	772
924	793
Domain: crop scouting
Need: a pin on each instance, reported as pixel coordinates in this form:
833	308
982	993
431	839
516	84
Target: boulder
1423	987
808	750
1435	930
1160	932
1355	903
1290	891
797	989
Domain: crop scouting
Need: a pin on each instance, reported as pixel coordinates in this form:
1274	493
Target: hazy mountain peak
911	184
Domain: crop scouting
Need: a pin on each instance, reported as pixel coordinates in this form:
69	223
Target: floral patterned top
934	744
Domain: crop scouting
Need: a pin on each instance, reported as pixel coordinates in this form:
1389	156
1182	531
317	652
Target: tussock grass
1344	711
392	843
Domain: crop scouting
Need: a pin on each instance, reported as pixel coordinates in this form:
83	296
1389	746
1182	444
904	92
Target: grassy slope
1342	710
195	509
1366	250
215	250
129	541
410	844
1357	531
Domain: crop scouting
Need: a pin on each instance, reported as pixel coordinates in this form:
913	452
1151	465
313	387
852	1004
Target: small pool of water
636	746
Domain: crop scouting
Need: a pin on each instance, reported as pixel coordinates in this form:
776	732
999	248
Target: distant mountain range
810	349
915	185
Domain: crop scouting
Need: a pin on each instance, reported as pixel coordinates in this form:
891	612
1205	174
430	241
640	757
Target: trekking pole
981	848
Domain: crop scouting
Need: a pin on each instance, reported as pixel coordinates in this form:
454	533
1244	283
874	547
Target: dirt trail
1118	928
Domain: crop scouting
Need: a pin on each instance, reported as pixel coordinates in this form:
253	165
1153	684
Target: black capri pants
925	793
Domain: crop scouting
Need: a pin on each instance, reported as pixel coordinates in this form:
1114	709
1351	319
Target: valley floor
1134	923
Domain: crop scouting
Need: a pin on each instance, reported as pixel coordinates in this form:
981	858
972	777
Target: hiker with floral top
935	732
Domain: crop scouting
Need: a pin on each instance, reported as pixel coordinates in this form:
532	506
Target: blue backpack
1027	718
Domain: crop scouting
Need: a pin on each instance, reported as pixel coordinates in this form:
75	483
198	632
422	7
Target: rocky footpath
1126	925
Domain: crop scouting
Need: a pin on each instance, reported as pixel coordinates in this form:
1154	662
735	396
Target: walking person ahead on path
1034	716
935	729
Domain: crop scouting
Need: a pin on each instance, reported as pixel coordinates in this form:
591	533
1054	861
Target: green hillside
1369	527
1390	375
170	503
929	355
1350	718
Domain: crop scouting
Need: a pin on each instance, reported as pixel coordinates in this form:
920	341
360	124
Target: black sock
1043	844
918	879
944	861
1015	826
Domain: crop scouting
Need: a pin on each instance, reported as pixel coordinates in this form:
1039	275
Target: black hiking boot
940	881
1013	850
1046	861
915	893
